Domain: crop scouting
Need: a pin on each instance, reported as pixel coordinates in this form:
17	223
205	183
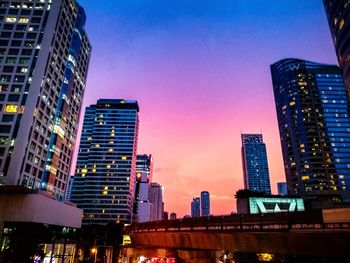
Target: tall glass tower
44	58
205	203
254	161
104	179
195	207
338	15
314	124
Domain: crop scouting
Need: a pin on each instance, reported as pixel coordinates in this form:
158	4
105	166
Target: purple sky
200	71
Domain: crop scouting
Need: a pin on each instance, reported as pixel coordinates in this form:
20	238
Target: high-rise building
338	15
104	179
195	207
144	170
44	58
314	124
254	162
205	203
156	199
282	188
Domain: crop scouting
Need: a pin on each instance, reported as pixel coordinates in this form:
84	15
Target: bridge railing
241	222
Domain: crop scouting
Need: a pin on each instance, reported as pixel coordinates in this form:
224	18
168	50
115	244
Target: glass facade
104	179
44	57
313	117
259	205
338	15
254	162
205	203
195	207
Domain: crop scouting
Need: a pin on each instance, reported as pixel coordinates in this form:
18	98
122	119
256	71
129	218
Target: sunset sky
200	72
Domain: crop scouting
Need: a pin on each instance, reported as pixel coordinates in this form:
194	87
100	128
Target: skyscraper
144	171
254	161
195	207
205	203
156	199
44	57
338	15
104	179
282	188
313	118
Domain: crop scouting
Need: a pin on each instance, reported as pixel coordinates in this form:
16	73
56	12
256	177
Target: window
7	118
10	19
11	108
13	97
23	20
5	128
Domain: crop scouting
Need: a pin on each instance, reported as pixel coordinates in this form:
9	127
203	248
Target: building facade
282	188
205	203
313	118
195	207
104	179
338	15
69	188
144	171
44	57
156	199
254	162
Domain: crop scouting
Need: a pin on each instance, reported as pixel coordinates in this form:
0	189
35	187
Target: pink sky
201	76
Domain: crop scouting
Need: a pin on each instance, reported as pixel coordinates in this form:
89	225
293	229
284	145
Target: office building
313	118
282	188
44	57
205	203
195	207
338	15
156	199
254	161
173	216
144	170
104	179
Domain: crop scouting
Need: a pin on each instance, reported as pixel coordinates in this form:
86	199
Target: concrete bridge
317	234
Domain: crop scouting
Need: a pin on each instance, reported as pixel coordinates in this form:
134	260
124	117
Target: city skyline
208	52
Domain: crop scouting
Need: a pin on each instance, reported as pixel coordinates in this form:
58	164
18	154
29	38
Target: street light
94	251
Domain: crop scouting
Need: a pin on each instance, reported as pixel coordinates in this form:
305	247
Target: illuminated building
254	162
205	203
313	118
156	199
144	171
269	204
104	179
44	57
282	188
338	15
195	207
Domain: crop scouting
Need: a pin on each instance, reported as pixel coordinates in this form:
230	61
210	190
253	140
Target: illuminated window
292	103
89	139
10	19
110	150
305	177
106	188
124	158
97	146
105	192
23	20
11	108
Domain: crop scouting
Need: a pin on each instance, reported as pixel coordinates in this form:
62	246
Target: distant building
144	171
205	203
165	215
339	23
314	124
282	188
105	173
173	216
195	207
254	161
156	199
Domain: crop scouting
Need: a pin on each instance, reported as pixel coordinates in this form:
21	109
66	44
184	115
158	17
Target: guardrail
242	222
